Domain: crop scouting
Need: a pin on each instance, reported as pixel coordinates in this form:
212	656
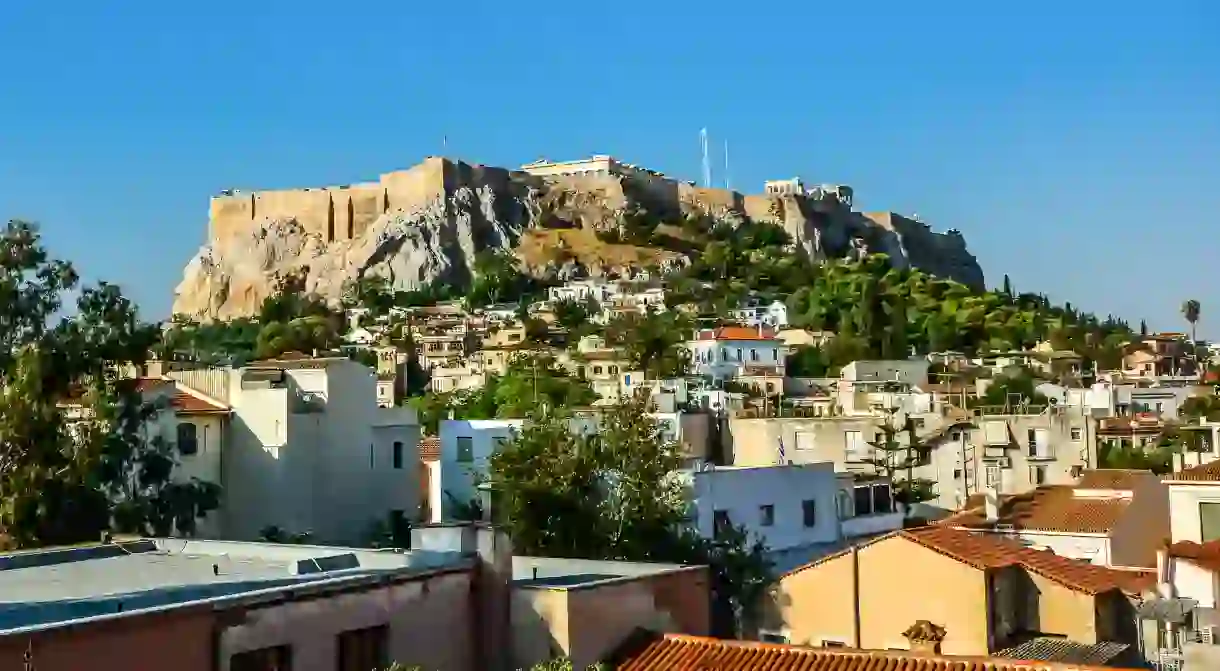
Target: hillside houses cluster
1028	548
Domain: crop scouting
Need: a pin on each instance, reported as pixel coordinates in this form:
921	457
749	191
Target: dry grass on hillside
540	246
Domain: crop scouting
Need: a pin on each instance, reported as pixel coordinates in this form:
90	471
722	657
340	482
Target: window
766	515
919	422
188	438
720	522
863	500
1076	434
739	354
1037	475
465	449
363	649
993	476
772	637
1209	521
827	643
397	454
809	511
855	445
278	658
882	503
775	355
753	354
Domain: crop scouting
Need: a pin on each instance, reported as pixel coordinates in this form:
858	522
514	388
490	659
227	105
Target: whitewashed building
755	313
466	446
728	352
300	444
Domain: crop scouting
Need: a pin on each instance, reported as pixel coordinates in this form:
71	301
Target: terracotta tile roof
1205	556
1207	473
986	551
146	384
429	448
989	551
676	652
737	333
185	403
1111	478
1053	508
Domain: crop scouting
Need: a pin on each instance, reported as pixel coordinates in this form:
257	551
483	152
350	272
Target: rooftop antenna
728	183
707	166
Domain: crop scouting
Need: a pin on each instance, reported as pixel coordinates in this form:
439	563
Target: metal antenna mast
728	182
707	165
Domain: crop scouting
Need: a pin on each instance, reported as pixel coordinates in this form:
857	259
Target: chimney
991	499
492	585
925	637
1164	581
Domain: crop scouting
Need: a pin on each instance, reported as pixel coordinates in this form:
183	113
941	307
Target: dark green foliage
612	495
76	457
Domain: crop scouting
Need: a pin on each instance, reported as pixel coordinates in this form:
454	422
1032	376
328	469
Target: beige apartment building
967	451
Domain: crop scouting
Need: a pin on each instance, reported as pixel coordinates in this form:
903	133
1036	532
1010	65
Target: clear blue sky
1075	144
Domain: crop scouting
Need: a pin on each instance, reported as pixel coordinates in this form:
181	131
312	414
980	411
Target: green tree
1013	389
896	459
1190	312
614	495
497	279
77	457
654	342
806	361
1143	328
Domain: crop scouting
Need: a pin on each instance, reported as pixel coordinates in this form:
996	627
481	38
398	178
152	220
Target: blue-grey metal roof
58	586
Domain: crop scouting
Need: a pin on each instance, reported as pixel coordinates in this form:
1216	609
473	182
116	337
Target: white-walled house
754	313
466	445
726	352
785	506
302	446
582	290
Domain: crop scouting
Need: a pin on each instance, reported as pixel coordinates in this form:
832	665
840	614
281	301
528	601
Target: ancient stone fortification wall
335	213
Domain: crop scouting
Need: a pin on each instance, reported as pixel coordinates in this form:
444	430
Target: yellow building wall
900	582
1065	612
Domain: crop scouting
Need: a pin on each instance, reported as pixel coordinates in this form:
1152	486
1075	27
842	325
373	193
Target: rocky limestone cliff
427	223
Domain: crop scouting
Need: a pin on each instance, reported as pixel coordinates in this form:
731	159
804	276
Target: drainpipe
855	593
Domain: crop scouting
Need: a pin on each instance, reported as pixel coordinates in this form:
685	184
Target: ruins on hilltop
426	223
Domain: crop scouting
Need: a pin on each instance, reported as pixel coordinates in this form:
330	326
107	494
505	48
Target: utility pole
707	165
728	182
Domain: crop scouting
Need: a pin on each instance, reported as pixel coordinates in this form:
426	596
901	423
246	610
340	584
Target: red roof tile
737	333
1204	474
675	652
185	403
989	551
1206	555
1112	478
430	448
1052	508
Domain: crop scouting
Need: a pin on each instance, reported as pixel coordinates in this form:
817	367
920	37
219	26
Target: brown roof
185	403
1206	555
1050	508
1209	472
989	551
1111	478
429	448
677	652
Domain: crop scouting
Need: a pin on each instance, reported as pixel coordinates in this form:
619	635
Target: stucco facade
858	599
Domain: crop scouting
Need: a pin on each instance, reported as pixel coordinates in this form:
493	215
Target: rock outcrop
426	224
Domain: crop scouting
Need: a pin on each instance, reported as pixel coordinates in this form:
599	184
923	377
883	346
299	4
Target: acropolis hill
426	224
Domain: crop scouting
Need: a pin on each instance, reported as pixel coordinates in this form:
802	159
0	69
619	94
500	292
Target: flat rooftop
52	587
556	573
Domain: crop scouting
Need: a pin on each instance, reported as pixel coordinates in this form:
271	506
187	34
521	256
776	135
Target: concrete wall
458	479
587	623
1184	520
180	640
429	621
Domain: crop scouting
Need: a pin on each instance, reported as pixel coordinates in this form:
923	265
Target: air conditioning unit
1004	462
